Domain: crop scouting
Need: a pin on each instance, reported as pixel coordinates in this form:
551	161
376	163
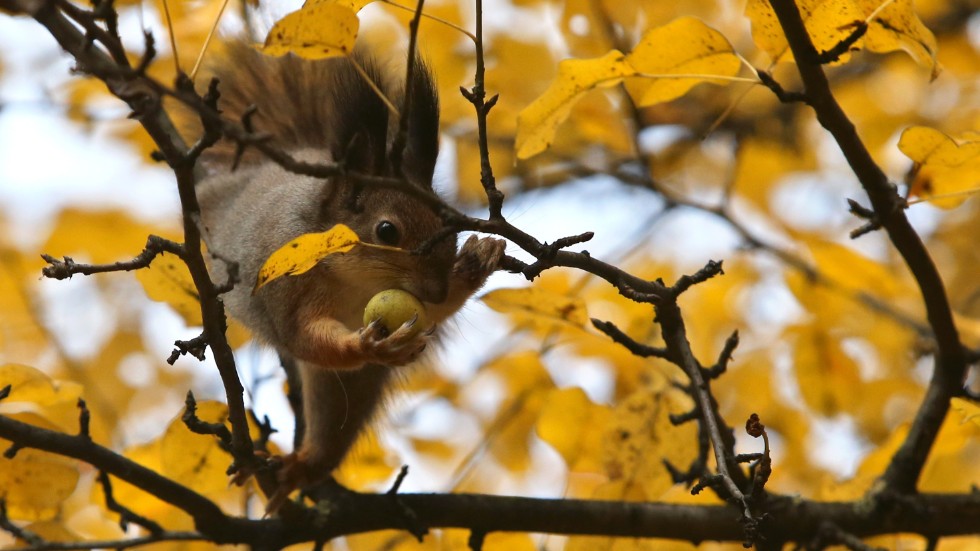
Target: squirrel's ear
422	146
360	118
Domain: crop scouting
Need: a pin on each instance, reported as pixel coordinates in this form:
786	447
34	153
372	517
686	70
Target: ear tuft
422	147
360	123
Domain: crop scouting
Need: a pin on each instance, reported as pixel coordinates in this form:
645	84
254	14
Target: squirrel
327	111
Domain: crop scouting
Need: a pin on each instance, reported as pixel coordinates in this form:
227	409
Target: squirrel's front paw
398	348
478	258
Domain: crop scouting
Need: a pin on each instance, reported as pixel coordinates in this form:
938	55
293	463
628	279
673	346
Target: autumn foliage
777	345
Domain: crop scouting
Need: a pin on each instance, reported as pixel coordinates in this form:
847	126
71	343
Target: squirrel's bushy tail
328	105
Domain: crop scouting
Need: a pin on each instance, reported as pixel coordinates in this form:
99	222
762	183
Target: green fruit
394	307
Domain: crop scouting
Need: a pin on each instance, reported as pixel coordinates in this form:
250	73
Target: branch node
842	47
402	474
782	95
714	481
11	452
84	418
761	474
195	347
475	542
681	418
197	426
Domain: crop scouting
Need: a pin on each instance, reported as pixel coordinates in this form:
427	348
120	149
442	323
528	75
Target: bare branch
950	364
155	246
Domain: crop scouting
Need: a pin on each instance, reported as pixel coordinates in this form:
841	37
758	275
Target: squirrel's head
365	140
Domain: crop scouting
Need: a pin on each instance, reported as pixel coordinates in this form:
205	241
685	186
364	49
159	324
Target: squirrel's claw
398	348
478	258
294	473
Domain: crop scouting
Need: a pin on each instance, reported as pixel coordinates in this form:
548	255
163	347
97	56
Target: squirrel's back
325	105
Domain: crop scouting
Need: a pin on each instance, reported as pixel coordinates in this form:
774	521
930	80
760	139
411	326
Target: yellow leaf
639	436
51	530
685	46
762	163
303	253
537	123
969	411
854	272
34	391
952	466
573	425
23	337
368	464
829	379
168	280
354	5
32	385
99	236
949	172
871	468
536	307
318	30
526	383
436	449
896	26
34	483
196	460
389	540
509	541
520	372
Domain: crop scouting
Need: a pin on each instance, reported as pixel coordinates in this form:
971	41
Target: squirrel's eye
387	233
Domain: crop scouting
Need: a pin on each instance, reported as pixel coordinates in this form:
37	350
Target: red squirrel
327	111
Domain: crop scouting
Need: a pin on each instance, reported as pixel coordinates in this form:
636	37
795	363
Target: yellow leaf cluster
893	25
675	57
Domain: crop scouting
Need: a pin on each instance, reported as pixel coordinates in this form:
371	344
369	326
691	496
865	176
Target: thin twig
477	96
126	515
155	245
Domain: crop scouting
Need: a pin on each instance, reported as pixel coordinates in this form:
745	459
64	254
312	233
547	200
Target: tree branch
950	365
353	513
